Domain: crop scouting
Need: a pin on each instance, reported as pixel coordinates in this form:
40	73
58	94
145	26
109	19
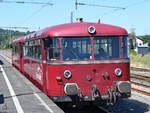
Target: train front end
89	67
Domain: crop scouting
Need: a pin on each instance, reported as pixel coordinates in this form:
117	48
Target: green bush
132	52
138	60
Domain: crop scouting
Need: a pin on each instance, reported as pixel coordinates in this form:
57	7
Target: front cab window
76	48
106	47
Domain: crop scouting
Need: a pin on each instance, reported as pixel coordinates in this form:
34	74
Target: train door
51	55
17	56
21	56
44	66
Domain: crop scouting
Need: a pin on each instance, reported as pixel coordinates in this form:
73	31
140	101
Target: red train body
76	62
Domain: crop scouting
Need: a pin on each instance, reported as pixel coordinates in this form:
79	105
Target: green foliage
149	45
7	36
138	60
132	34
146	39
132	52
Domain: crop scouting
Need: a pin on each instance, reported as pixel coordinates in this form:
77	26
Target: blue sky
135	16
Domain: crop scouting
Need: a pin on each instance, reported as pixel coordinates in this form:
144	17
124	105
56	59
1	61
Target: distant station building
141	47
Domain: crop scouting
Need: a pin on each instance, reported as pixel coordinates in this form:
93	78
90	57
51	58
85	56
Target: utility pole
10	40
71	17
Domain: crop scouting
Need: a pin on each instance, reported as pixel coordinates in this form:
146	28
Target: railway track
140	69
140	82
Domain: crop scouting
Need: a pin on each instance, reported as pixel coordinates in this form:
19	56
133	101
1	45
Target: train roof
77	29
18	40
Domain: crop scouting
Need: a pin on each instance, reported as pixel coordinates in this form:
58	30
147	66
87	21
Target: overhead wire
124	8
127	6
44	4
136	3
33	14
37	11
97	5
116	8
29	2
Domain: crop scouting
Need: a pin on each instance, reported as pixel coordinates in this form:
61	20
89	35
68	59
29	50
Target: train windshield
106	47
76	48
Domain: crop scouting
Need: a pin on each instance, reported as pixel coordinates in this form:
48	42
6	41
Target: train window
106	47
52	49
25	49
125	47
76	48
15	49
37	49
32	49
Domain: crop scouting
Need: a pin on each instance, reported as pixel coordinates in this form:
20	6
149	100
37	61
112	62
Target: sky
135	17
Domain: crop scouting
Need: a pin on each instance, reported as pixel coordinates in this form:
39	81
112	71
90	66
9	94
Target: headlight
71	88
91	30
118	72
124	86
67	74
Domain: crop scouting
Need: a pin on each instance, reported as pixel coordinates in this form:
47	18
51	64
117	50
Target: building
141	47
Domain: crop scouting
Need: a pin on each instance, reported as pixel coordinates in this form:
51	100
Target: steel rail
140	91
140	69
142	85
140	77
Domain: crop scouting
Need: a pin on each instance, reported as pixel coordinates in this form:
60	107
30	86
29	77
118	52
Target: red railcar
77	62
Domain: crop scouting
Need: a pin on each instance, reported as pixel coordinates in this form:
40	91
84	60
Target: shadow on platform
122	106
1	62
23	94
129	106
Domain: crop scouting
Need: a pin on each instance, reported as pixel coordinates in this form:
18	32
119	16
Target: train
76	62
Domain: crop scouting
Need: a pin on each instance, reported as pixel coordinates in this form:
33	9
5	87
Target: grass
138	60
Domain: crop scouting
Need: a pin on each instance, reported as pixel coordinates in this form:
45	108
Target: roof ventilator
79	20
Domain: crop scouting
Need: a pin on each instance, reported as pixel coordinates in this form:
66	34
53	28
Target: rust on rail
139	84
140	69
142	92
139	77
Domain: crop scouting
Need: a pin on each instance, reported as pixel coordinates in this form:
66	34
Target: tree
149	45
132	34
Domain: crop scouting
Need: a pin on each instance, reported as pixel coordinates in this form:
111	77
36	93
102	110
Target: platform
20	95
